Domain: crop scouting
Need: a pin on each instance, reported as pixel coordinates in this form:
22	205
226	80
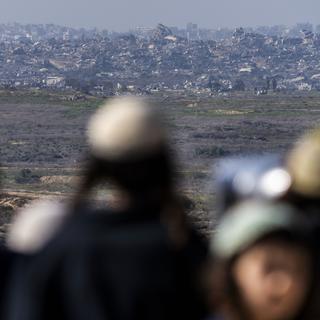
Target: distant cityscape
148	60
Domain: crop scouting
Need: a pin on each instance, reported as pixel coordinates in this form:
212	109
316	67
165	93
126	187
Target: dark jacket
105	265
8	262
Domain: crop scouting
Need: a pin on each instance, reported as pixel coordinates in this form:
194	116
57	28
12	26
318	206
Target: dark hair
135	176
148	180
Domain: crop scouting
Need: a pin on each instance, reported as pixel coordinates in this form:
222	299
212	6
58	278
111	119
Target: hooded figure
137	257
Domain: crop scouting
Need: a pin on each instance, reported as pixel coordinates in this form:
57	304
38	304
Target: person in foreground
136	257
264	264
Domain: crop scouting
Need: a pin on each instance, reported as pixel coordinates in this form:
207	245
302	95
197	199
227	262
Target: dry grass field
43	144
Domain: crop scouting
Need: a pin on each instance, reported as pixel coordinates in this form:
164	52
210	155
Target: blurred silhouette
242	178
303	162
7	262
34	225
264	267
135	258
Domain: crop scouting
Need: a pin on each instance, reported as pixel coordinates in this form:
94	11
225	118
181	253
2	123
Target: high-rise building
192	31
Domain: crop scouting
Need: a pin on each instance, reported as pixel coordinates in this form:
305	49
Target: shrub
210	151
26	176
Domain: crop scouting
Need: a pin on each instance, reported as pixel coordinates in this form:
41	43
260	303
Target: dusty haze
121	15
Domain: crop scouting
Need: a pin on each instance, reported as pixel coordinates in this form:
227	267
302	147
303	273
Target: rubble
145	61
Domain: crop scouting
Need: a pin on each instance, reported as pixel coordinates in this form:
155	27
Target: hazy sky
124	14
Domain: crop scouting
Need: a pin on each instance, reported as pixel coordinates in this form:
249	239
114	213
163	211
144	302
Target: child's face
273	278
